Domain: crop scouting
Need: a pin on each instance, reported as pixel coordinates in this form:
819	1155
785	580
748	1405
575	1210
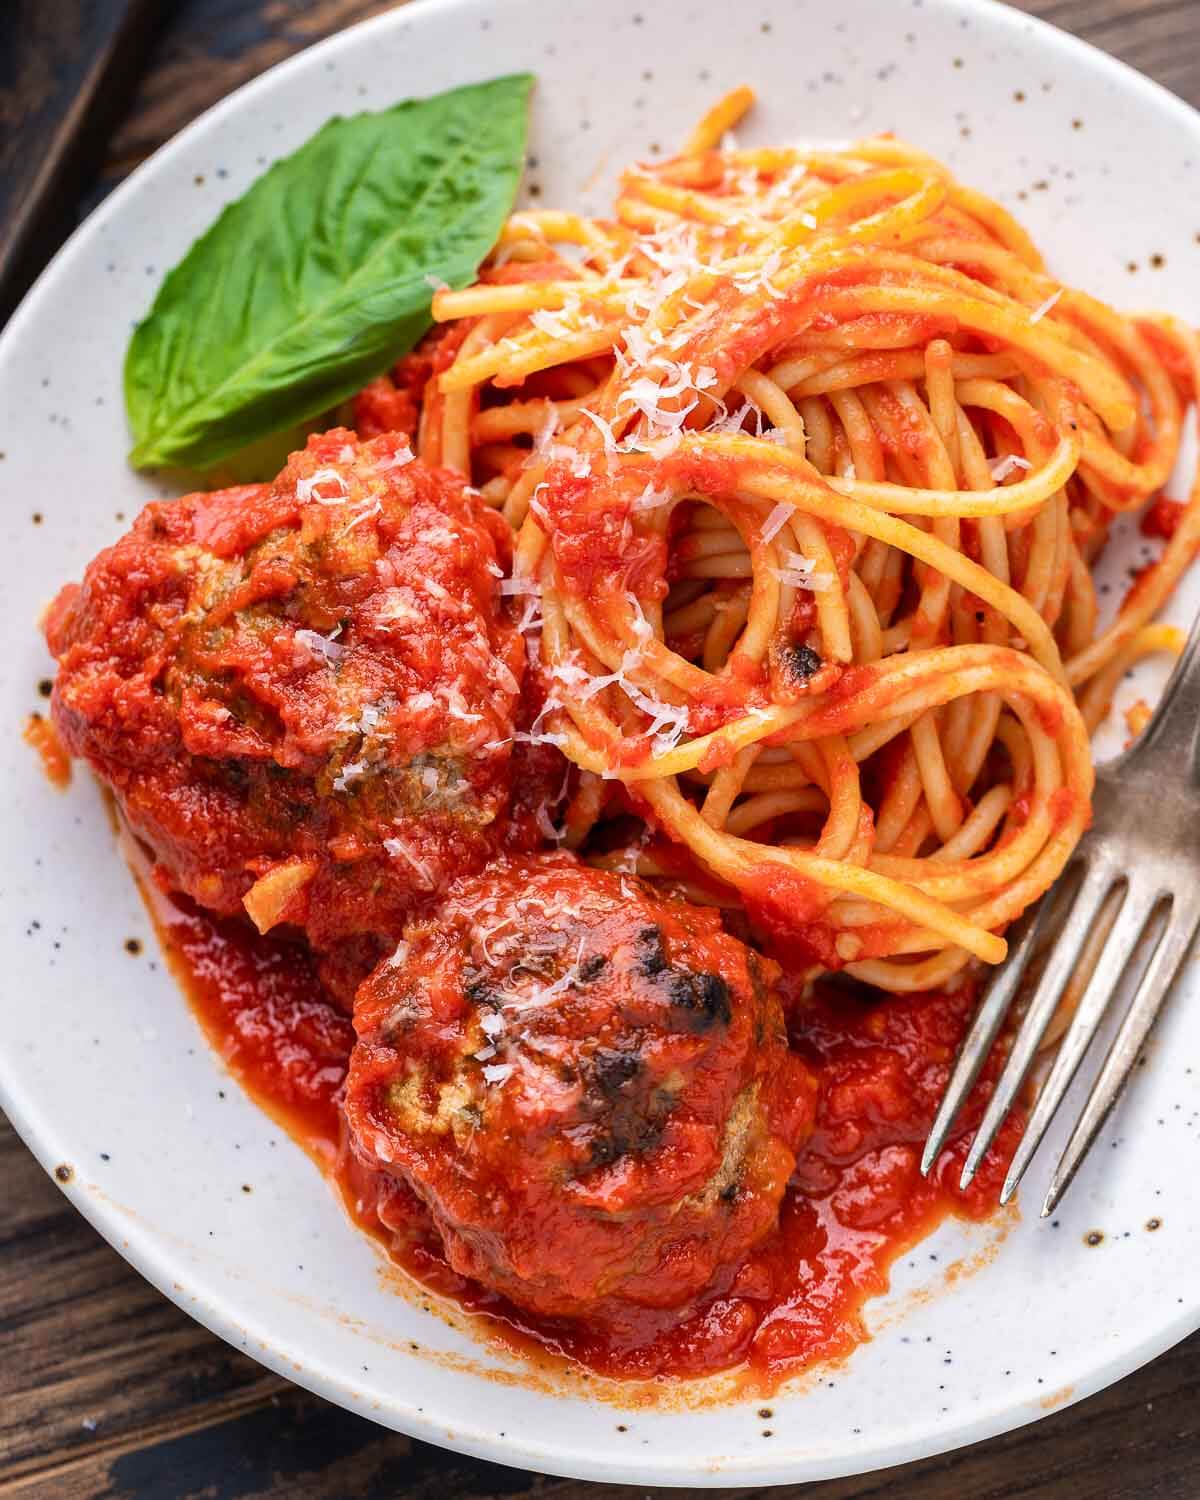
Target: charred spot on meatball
705	996
477	987
591	967
595	1100
802	663
613	1069
631	1133
652	958
303	694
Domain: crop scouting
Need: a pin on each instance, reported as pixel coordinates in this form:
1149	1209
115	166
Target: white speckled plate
102	1067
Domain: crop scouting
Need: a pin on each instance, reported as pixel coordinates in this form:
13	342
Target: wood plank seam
165	1430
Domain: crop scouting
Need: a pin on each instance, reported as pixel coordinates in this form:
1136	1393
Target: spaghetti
809	459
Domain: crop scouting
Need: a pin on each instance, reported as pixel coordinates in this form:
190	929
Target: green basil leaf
321	275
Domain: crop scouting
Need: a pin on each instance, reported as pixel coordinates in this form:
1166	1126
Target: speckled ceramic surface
101	1066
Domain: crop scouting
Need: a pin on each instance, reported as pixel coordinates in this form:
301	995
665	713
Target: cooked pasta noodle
809	459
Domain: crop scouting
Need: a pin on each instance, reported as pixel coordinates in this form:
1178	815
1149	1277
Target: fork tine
978	1041
1098	880
1151	992
1098	993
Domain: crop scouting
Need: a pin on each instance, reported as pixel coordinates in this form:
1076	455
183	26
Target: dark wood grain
1160	38
67	70
215	46
96	1360
108	1390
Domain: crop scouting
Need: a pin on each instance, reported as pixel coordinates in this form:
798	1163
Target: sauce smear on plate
855	1203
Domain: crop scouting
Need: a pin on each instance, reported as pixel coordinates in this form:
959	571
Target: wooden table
107	1390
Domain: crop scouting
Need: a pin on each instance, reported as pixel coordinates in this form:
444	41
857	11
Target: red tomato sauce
855	1203
1162	518
40	734
288	690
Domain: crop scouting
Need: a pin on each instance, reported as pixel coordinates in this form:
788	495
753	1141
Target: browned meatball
302	693
590	1088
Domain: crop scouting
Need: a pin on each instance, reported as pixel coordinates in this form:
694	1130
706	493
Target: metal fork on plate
1141	856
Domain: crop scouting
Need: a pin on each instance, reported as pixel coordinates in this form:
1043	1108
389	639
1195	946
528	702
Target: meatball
589	1087
302	694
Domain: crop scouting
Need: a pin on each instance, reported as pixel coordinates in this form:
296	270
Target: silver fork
1141	854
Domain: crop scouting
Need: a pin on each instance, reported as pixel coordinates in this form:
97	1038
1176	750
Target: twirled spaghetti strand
809	461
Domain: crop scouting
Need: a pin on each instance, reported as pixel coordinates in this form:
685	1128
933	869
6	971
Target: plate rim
150	1254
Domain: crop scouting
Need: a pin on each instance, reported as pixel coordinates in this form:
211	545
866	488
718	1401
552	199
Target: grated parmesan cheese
798	573
776	521
752	281
306	489
647	397
786	184
456	704
1003	467
642	628
324	646
547	826
360	516
560	325
366	724
652	498
544	436
628	863
731	421
639	344
604	429
1043	308
521	583
531	619
351	771
533	737
398	849
394	608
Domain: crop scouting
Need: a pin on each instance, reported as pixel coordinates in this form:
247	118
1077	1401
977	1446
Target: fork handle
1168	743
